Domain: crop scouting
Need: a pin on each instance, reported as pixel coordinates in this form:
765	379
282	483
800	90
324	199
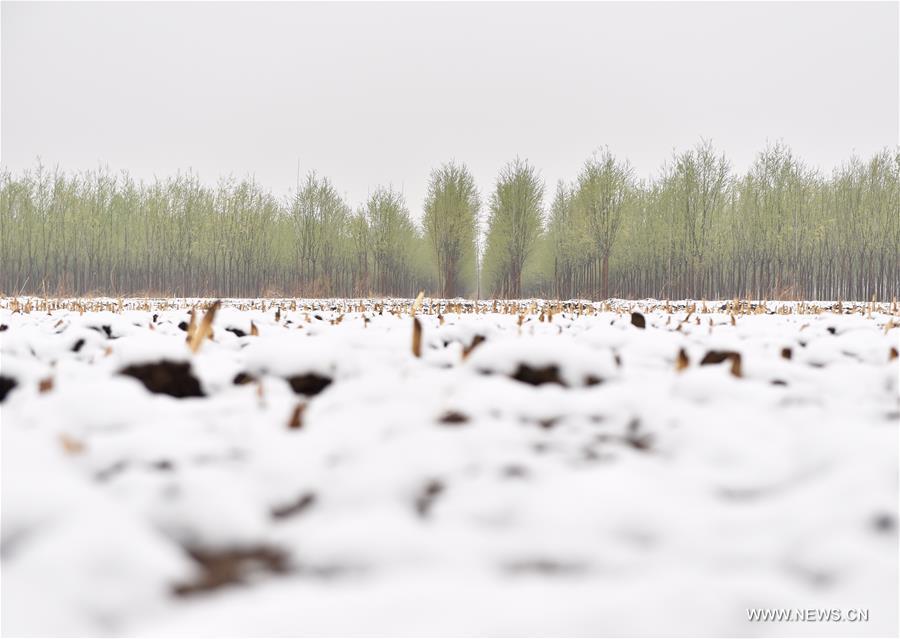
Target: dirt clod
230	566
717	357
453	418
309	383
538	375
243	378
6	385
166	378
106	329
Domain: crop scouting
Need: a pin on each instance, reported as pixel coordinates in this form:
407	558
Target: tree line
781	230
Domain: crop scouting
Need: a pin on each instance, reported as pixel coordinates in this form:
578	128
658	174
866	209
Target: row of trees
781	230
98	233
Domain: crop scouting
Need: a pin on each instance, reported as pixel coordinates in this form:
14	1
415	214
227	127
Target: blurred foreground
337	467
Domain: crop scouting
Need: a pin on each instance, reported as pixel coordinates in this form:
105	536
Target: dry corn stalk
682	361
195	340
192	324
418	303
417	337
476	342
296	420
736	365
71	445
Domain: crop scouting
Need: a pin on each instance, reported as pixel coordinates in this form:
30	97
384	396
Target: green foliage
321	220
450	221
781	230
514	226
394	243
602	192
98	233
585	222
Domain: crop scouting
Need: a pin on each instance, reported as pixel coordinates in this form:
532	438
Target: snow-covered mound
538	469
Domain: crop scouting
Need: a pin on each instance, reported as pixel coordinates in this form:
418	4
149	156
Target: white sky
371	94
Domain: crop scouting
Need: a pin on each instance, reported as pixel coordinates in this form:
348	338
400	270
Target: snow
441	495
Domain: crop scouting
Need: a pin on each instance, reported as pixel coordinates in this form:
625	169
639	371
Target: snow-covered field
540	469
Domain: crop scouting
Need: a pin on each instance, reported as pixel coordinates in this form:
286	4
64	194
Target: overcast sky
372	94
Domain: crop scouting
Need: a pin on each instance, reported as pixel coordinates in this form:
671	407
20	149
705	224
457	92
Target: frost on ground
540	469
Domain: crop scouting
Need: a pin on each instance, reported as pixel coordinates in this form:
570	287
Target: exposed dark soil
106	329
717	357
166	378
453	418
243	378
231	566
6	385
538	375
309	383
